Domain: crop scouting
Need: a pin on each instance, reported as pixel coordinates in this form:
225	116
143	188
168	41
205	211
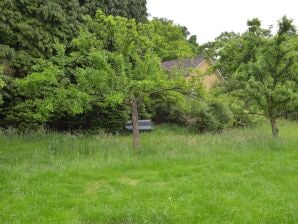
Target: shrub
241	117
105	119
170	108
211	116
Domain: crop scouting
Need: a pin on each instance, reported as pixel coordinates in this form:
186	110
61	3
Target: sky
209	18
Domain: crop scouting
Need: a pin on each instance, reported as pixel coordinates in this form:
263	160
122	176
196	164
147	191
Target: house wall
203	67
208	80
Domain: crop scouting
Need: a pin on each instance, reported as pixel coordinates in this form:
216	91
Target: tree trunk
274	127
135	124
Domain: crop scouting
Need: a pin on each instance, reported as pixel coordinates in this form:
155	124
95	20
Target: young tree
137	62
265	75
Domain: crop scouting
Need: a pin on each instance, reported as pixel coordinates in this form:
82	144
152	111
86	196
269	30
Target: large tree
263	70
132	9
29	29
171	41
137	62
213	49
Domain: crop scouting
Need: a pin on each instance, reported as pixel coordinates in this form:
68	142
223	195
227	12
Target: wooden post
135	124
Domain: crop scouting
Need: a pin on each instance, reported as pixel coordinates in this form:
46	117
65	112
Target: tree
265	74
171	40
285	26
132	9
30	28
212	49
139	65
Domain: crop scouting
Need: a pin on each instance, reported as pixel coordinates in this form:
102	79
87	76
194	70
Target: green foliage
96	119
30	29
132	9
241	116
286	26
211	116
42	95
134	68
262	70
270	82
108	64
231	49
170	108
214	49
82	71
170	40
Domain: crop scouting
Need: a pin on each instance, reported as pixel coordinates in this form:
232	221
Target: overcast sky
208	18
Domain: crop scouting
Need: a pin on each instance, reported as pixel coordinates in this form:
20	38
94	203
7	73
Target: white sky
209	18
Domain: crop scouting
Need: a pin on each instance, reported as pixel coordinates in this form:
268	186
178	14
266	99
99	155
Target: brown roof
185	64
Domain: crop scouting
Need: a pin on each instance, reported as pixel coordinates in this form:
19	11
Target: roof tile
184	64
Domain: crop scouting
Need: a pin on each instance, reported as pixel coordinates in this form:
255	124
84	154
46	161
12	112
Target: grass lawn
240	176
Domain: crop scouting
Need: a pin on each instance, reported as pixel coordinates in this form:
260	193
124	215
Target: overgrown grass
240	176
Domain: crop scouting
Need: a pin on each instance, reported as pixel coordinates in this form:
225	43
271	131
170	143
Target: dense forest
80	65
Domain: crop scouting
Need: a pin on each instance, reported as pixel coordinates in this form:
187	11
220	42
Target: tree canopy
29	29
262	70
172	41
110	63
132	9
90	64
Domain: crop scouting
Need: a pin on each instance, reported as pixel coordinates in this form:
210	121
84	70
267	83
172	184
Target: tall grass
239	176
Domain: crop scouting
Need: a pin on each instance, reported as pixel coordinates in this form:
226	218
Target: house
195	66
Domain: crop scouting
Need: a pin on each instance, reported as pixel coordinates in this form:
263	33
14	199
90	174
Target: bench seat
144	125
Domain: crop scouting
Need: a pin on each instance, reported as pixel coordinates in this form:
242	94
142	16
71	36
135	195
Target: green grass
240	176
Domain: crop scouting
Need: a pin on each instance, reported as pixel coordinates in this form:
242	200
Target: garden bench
144	125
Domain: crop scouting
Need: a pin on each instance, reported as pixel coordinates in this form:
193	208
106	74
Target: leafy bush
170	108
210	116
241	117
105	119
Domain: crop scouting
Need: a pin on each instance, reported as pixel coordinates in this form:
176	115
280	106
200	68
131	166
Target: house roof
185	64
